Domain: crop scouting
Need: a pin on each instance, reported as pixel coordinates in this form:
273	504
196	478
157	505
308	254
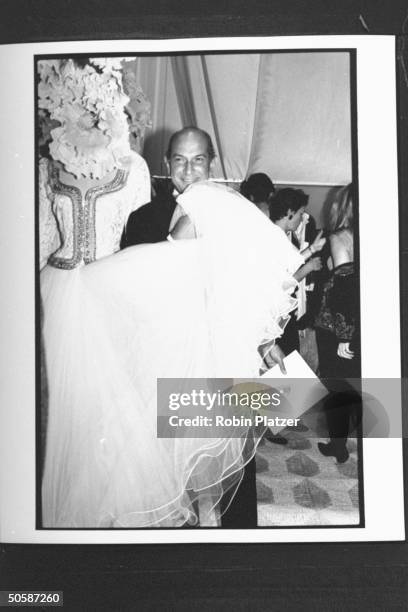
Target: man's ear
212	164
167	163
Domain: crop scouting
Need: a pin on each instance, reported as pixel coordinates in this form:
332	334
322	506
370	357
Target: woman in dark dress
337	329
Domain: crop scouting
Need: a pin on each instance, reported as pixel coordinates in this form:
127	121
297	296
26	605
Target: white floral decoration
88	102
138	108
108	64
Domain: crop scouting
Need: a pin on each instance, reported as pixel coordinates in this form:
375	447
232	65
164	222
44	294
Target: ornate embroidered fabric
76	229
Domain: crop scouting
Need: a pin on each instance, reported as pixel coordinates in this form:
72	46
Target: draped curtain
286	114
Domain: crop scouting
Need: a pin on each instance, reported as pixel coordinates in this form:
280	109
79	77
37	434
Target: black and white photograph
202	211
204	256
246	161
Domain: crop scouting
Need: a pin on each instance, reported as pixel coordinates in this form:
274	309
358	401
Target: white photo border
380	334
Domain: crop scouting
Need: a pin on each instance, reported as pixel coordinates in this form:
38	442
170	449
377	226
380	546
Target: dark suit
242	512
150	223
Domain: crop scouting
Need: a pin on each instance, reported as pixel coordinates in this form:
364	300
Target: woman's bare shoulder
341	234
341	237
341	243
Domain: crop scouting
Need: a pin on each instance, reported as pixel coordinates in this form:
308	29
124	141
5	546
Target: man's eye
200	159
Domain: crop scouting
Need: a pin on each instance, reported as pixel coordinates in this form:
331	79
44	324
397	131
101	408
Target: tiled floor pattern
297	486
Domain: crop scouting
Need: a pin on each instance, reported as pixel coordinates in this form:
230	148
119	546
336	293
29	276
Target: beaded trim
89	216
77	217
84	236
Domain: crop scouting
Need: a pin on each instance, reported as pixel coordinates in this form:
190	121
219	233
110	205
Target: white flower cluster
138	109
92	135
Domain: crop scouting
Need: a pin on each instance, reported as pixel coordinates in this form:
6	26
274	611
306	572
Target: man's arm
184	228
136	230
149	223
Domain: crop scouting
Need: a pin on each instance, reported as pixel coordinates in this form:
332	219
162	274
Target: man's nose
188	167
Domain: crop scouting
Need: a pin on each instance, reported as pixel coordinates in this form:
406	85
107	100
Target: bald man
189	159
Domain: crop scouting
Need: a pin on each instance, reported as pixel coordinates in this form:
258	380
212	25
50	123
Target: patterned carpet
297	486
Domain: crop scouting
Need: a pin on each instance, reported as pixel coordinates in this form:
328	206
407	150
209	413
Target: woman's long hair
341	211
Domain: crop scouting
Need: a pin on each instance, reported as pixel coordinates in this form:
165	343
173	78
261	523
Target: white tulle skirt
110	330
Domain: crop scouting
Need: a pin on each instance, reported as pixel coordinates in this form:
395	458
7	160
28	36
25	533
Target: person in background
258	188
337	326
287	210
302	238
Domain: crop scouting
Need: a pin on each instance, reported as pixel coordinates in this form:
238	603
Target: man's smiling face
189	160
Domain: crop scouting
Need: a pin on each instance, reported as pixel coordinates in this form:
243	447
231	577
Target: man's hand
183	229
272	355
343	350
318	243
315	264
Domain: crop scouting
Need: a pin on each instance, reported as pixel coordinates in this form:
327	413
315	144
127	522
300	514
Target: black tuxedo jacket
149	223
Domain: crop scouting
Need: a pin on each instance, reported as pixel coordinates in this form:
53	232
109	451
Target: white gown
184	309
